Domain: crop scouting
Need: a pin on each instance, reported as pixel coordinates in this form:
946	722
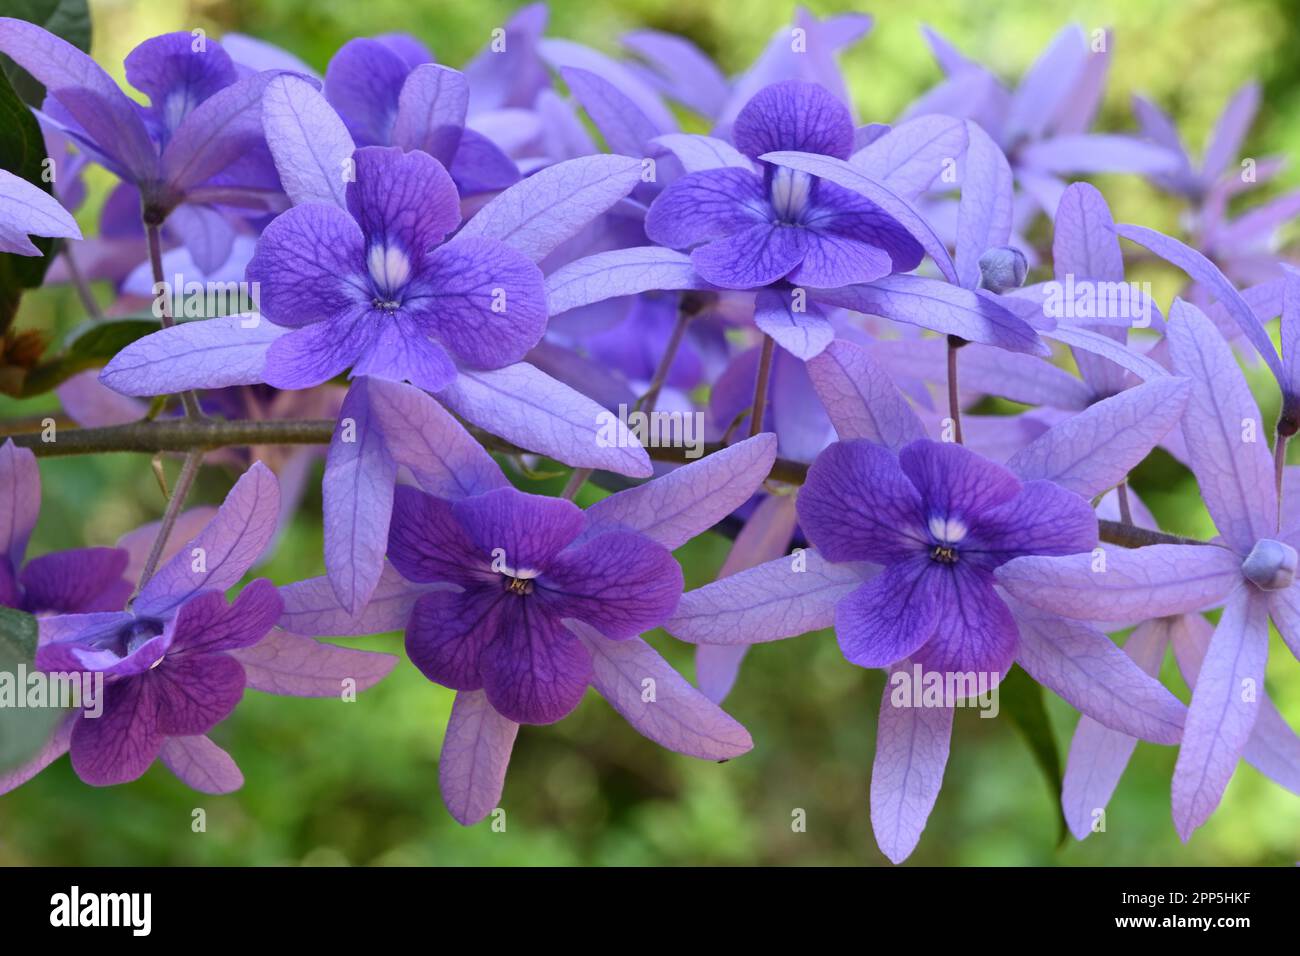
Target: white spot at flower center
389	268
947	530
790	191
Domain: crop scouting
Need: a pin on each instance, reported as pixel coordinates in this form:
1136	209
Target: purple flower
374	289
559	605
750	229
914	531
177	663
199	142
939	519
1042	125
168	676
521	574
389	92
65	582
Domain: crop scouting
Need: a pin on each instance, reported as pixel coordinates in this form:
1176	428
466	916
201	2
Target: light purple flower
1250	569
27	210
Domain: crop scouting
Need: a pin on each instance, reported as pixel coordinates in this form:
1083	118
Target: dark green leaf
69	19
91	349
23	730
1021	699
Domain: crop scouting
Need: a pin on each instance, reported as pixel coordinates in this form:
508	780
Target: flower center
130	637
390	270
520	586
946	533
790	191
944	554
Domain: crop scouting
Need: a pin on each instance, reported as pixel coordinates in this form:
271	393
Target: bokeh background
356	783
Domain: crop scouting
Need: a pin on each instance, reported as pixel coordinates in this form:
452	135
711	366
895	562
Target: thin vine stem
180	491
186	435
759	409
153	232
954	402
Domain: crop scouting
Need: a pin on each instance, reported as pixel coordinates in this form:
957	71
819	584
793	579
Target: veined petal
676	715
475	754
907	773
1225	704
784	597
857	504
1130	584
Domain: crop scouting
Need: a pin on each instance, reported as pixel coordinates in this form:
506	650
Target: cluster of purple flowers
448	265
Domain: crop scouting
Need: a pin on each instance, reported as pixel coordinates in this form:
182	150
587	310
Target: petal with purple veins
310	266
677	716
907	773
707	205
405	204
794	115
619	582
475	754
449	632
364	83
200	764
974	632
1125	584
482	300
229	545
893	615
1224	707
529	529
314	354
120	744
857	504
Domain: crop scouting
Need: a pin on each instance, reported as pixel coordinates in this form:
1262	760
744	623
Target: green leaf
23	730
68	19
18	634
1021	699
91	349
22	152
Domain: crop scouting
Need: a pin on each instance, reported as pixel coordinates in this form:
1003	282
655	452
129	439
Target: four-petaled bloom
750	229
372	287
522	571
939	518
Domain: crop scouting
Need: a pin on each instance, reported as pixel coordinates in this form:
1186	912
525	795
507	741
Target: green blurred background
356	783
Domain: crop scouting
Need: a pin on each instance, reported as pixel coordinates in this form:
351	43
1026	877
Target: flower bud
1002	268
1270	565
